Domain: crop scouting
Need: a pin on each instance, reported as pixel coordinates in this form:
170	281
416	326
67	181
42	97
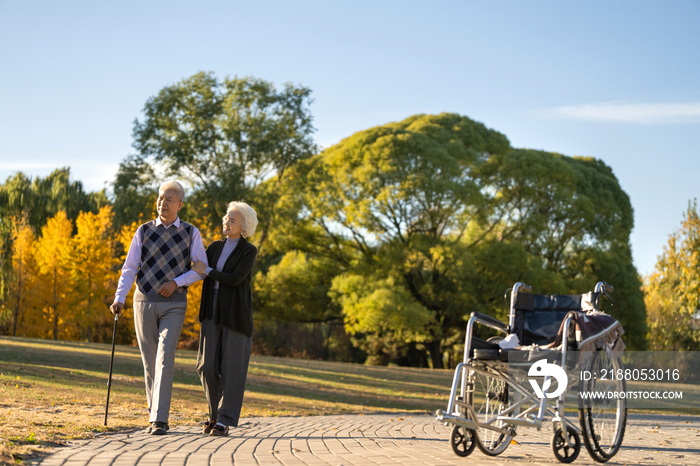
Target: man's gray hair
175	186
250	217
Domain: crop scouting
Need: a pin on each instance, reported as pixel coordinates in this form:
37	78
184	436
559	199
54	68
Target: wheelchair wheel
489	396
462	441
603	420
566	454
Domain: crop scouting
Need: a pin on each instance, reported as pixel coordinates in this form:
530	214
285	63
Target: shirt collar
176	222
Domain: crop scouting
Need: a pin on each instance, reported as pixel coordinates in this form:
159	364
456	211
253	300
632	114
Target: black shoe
160	428
219	431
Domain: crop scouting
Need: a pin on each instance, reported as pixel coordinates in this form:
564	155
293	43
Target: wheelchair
490	395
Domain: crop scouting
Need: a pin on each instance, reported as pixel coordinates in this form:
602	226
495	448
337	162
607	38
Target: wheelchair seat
537	322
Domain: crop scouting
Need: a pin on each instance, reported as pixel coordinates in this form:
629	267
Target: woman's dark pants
222	365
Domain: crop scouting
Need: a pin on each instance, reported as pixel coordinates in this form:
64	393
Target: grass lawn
53	391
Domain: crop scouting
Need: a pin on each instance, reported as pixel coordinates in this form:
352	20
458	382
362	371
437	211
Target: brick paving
359	440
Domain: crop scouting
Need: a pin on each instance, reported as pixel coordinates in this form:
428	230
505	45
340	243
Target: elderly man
159	259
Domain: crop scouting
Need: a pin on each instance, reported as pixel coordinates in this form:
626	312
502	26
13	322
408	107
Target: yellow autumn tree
126	333
53	256
189	338
21	302
92	272
672	291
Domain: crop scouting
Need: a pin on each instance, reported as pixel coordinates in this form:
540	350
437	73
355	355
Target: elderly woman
227	319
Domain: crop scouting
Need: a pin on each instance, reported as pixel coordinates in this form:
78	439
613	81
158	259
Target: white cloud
622	112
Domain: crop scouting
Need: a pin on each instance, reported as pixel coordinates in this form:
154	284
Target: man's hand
116	308
168	288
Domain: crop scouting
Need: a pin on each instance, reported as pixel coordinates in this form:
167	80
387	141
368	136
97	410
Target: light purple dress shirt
133	260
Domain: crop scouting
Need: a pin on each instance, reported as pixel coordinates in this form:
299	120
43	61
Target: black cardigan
234	304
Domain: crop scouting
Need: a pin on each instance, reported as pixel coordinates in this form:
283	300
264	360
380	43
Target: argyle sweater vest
165	255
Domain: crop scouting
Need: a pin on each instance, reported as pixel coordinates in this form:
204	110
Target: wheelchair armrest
489	321
483	319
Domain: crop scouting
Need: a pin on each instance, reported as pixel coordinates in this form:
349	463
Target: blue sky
614	80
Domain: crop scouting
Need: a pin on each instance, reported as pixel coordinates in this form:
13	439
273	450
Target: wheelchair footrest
521	421
440	415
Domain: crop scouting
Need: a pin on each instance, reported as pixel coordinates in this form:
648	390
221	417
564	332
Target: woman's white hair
174	185
250	217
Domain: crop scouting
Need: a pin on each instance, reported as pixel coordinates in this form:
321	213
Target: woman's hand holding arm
199	267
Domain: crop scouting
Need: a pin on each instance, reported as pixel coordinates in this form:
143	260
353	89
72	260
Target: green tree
42	198
296	289
672	291
553	204
226	137
433	217
392	202
135	191
571	214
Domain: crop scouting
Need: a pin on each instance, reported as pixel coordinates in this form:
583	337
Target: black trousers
222	365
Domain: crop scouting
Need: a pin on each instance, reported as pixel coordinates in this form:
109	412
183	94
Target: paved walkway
357	440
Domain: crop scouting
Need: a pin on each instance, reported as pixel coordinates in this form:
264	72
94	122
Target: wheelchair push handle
520	286
603	288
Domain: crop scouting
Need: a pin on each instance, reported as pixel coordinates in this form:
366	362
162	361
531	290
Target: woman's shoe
208	426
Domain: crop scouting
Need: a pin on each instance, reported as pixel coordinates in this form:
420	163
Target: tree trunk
55	308
435	354
19	293
263	236
14	324
86	317
327	340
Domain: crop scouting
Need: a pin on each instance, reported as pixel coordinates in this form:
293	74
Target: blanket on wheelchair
594	330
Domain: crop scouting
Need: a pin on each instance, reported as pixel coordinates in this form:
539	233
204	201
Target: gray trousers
158	327
222	365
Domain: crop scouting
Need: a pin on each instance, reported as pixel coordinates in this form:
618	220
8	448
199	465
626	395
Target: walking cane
111	363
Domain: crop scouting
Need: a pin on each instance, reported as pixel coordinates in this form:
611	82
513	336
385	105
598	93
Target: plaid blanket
594	330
